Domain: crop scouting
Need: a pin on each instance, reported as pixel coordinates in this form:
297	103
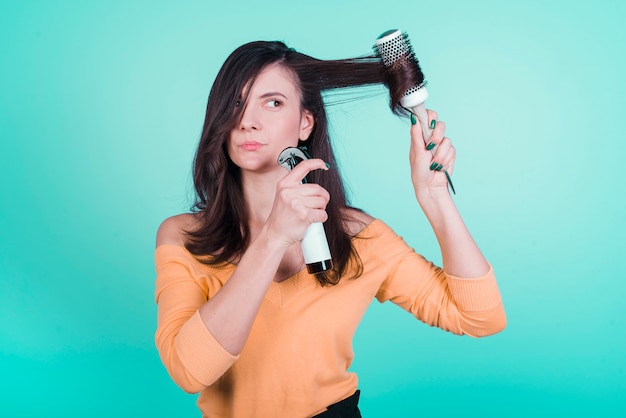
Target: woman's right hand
297	205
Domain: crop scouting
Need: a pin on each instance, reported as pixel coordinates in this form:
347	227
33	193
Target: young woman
240	320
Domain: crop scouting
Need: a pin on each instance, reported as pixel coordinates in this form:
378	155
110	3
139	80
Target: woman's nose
249	120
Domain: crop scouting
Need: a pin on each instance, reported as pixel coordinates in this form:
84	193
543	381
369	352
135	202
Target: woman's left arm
460	255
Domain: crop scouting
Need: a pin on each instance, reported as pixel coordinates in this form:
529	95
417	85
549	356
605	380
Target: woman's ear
307	123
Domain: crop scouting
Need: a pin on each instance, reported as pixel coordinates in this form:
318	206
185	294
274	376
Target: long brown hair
223	232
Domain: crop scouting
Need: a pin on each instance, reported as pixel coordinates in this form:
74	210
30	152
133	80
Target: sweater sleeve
191	355
464	306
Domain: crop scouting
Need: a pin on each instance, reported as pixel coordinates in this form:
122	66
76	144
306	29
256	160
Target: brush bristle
403	73
391	45
395	49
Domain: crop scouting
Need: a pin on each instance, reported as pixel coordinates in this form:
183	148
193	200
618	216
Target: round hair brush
405	79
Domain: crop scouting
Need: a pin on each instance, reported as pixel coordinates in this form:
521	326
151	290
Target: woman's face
272	121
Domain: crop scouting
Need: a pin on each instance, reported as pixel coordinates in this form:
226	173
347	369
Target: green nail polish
430	146
327	165
439	167
413	119
433	166
432	124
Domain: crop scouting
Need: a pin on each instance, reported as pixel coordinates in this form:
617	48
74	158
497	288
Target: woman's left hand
428	165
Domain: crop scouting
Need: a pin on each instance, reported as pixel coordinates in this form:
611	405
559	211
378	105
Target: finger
318	215
303	197
417	136
437	133
303	168
311	190
433	143
432	116
308	206
316	203
418	155
443	148
445	155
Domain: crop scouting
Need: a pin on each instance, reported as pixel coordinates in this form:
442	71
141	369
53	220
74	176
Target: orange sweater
296	360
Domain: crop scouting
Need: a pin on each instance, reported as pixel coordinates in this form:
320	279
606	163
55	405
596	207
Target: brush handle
422	116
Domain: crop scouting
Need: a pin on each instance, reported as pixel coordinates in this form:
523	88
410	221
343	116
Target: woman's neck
259	191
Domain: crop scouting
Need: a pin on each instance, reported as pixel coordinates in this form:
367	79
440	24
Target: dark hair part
223	233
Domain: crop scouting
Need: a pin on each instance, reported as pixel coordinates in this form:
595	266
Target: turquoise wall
101	106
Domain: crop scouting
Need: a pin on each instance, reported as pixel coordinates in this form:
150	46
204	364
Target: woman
239	318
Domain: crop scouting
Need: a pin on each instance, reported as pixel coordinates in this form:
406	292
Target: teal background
101	106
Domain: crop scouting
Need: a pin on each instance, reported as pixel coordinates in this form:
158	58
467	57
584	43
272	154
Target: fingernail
430	146
413	119
433	166
327	166
439	167
433	123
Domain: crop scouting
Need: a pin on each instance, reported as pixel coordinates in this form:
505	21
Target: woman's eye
274	103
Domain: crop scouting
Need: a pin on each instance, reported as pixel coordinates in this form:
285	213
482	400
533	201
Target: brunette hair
223	232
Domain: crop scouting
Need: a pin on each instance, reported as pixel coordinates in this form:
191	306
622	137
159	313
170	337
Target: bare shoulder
357	220
172	230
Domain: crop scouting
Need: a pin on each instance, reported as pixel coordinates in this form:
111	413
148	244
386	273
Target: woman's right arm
228	315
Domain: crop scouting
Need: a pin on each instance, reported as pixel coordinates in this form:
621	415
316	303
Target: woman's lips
251	145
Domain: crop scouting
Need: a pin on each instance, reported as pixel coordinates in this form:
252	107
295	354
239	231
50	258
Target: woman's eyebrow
272	93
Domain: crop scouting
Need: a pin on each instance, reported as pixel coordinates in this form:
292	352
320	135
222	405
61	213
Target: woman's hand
429	159
297	205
